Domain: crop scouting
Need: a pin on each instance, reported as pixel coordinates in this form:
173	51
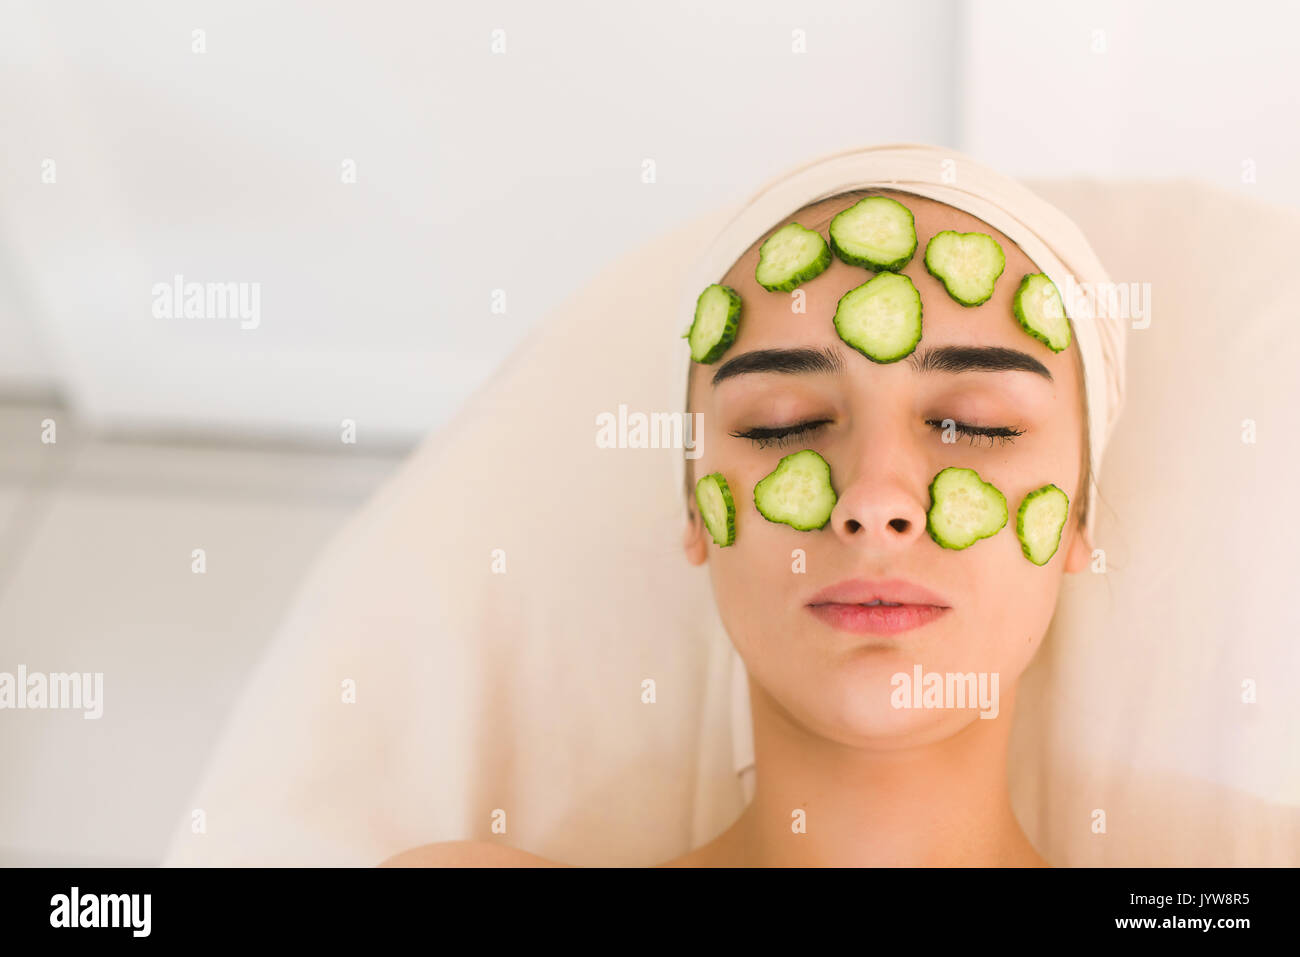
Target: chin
874	717
857	705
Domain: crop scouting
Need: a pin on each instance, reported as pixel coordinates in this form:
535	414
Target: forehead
769	321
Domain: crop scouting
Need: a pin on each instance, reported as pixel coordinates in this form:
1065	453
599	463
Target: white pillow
1134	705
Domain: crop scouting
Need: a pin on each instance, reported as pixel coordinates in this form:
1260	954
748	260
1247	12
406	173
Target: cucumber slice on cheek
968	264
881	318
1039	522
963	508
717	508
1038	308
797	492
717	320
791	256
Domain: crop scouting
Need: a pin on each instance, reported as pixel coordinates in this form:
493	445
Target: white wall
1160	90
518	171
475	171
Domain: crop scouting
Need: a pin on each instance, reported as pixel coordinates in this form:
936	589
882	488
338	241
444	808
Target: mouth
876	619
889	607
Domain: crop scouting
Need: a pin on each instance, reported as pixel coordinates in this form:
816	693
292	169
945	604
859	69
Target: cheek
1011	600
755	581
1017	594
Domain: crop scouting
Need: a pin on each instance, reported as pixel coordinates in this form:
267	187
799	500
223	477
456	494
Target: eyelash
784	435
991	432
781	436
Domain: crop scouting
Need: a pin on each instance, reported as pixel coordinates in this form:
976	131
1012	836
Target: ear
696	540
1080	553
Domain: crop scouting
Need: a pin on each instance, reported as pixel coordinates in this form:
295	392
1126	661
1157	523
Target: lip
842	606
855	591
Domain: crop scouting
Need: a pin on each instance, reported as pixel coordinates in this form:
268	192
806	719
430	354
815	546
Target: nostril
852	525
899	524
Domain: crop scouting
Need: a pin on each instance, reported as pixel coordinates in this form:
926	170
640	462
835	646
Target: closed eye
780	435
993	433
783	435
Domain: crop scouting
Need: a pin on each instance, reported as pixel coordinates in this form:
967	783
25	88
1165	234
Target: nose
883	503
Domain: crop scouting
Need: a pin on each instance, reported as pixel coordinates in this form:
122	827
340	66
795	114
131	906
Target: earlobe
1080	553
694	541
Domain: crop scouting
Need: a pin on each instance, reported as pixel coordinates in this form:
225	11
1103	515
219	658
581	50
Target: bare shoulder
467	854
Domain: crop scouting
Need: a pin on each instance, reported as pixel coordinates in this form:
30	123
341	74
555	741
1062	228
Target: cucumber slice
877	232
1039	521
717	508
968	264
792	255
717	319
797	492
1038	308
881	318
963	508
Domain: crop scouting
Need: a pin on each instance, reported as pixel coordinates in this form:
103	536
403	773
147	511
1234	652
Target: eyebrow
785	361
977	359
951	359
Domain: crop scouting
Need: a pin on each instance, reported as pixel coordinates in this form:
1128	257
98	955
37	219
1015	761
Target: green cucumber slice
881	318
968	264
717	319
717	508
792	255
1038	308
797	492
877	232
1039	521
963	508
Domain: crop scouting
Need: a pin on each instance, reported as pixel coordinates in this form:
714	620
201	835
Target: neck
944	803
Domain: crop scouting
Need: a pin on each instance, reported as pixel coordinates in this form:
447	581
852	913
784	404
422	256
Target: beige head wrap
1050	240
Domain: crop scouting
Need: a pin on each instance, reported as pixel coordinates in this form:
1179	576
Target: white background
519	171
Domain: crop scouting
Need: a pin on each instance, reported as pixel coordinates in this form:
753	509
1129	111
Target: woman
853	768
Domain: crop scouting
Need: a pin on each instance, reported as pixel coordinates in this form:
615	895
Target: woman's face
882	453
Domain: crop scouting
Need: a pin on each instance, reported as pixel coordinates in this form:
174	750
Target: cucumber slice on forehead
881	318
1039	521
878	233
968	264
717	319
963	508
717	508
792	255
797	492
1038	308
